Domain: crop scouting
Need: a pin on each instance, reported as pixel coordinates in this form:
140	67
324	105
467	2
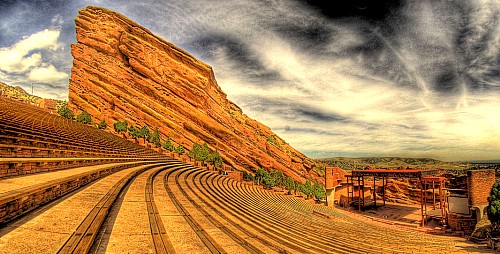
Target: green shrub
102	125
120	126
154	138
493	209
289	184
247	176
180	150
143	133
65	112
133	132
84	118
168	145
268	181
260	174
318	191
270	139
307	188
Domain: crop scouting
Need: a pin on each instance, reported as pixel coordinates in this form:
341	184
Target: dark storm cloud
238	54
365	9
448	80
311	37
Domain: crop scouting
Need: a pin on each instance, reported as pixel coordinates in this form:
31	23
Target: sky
365	78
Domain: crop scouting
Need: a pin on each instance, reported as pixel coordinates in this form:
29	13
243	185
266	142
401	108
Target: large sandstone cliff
121	71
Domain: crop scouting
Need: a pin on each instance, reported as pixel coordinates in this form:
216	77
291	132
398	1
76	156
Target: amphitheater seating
286	222
28	131
224	215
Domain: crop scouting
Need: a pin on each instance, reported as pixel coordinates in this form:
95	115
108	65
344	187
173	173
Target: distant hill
347	163
18	93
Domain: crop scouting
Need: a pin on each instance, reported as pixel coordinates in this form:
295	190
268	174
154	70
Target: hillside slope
392	162
121	71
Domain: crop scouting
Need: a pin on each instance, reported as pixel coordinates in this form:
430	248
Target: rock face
121	71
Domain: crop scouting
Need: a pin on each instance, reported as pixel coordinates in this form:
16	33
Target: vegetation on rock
102	125
120	127
493	209
84	118
155	138
202	153
65	112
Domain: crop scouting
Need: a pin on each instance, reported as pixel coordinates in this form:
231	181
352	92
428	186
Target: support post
433	197
374	192
422	201
363	189
359	194
441	200
384	182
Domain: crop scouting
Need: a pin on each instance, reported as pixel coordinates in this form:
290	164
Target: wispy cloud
419	79
25	54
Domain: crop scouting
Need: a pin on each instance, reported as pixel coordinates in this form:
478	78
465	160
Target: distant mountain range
18	93
347	163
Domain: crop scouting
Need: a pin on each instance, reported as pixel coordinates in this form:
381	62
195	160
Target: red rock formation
121	71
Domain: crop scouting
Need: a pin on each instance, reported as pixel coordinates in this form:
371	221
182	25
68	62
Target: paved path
16	183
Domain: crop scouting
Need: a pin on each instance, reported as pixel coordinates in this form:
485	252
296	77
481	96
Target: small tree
84	118
318	191
297	187
279	178
493	209
168	145
102	125
194	151
204	153
120	126
270	139
65	112
268	181
307	188
259	175
144	133
289	184
180	150
247	176
216	159
154	138
133	132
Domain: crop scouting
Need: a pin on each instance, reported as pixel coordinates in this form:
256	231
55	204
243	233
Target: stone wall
479	183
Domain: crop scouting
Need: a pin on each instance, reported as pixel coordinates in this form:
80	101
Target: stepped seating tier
28	131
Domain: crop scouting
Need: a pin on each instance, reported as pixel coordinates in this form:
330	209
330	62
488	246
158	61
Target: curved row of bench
34	141
186	209
28	131
287	224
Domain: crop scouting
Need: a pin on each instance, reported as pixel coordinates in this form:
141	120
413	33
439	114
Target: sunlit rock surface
121	71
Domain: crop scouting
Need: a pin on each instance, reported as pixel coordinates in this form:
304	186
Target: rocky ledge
122	71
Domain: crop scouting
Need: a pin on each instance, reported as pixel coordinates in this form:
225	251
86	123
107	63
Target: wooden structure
426	178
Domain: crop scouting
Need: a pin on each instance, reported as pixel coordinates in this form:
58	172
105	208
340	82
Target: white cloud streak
425	85
20	57
46	74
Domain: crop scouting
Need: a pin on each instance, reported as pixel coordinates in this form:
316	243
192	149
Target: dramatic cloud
20	57
46	74
379	78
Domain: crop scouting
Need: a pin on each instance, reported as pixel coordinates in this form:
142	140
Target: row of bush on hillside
203	154
83	117
277	178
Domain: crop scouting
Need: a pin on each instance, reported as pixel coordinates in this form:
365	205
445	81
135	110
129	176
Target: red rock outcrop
121	71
